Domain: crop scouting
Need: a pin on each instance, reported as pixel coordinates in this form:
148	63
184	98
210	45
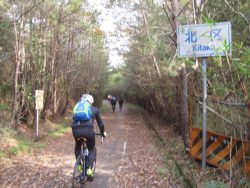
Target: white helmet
88	98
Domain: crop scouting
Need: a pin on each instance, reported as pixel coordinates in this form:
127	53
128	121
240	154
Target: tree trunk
68	59
51	87
51	93
44	54
18	59
183	93
184	107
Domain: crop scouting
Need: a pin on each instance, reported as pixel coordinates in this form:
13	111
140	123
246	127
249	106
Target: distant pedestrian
113	103
120	103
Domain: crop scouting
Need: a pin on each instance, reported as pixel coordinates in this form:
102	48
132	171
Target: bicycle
81	163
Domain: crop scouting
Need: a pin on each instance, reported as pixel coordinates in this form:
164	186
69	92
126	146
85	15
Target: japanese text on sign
204	40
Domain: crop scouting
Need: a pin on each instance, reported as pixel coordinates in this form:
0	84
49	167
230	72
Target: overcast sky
116	40
107	18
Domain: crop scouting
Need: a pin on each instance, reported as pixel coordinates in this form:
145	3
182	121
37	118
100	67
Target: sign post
39	106
204	112
204	40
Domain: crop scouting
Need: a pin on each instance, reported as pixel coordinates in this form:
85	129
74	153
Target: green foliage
242	64
243	181
75	5
6	37
68	37
219	11
187	181
7	132
163	171
21	143
30	96
2	3
6	87
173	167
13	150
206	19
22	146
159	141
60	131
2	154
56	129
215	184
133	106
17	142
4	107
62	27
105	106
117	83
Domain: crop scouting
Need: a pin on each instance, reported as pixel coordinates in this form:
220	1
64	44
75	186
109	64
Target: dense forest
59	47
55	46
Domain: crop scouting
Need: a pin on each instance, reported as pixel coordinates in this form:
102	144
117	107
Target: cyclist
113	103
85	128
120	102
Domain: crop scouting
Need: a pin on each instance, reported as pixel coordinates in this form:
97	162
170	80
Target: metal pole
204	115
37	121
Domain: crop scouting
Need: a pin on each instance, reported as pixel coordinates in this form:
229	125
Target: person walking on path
113	103
120	103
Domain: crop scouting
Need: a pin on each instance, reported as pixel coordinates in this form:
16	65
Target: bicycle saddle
81	138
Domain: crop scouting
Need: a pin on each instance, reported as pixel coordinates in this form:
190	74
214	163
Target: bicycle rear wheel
79	174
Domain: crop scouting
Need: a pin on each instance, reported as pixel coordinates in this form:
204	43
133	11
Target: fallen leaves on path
139	166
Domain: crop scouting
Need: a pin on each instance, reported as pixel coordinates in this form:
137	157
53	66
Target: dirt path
127	158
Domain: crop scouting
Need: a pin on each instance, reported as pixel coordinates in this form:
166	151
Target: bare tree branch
168	17
238	13
24	13
216	113
185	6
170	21
172	38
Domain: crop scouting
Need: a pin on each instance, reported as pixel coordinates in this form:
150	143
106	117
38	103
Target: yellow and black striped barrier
221	151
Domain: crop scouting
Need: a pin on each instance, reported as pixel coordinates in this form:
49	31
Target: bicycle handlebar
102	139
98	134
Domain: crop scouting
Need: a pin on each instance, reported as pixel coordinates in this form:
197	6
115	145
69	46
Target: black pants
89	134
120	104
113	103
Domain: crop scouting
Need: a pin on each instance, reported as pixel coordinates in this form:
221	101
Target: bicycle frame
81	160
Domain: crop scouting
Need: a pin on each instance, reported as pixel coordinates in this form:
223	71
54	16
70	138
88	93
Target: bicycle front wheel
79	175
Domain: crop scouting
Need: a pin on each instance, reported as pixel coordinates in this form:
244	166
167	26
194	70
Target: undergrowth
133	106
186	172
13	142
23	140
56	129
